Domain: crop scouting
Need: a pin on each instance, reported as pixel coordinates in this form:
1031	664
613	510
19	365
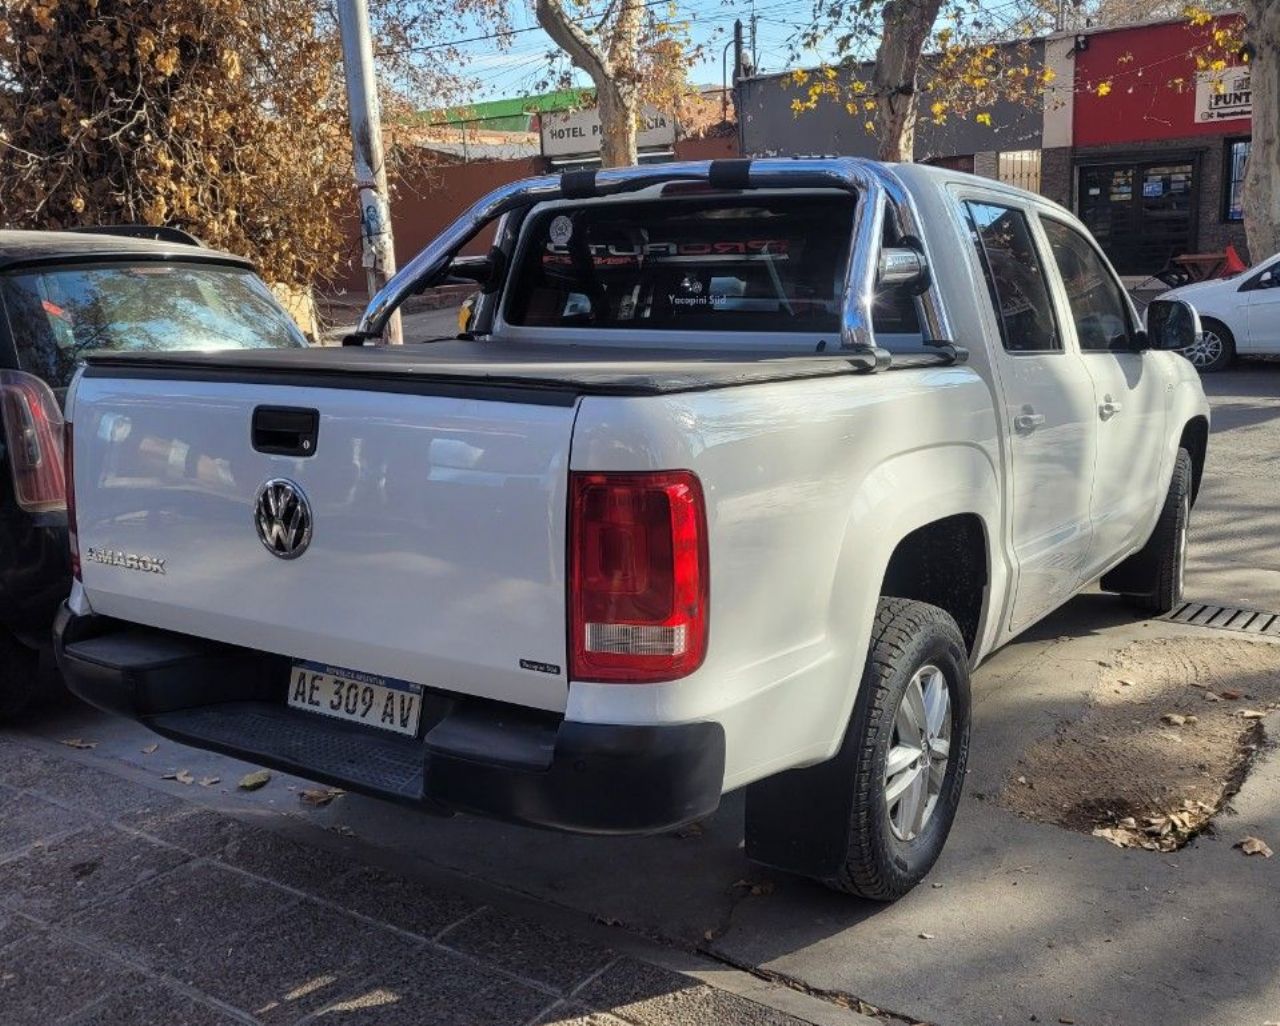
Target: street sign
1223	95
577	133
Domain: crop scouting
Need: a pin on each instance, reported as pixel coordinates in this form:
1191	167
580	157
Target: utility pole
376	244
755	57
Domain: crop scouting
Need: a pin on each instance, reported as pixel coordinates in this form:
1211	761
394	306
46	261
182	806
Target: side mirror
1172	324
470	269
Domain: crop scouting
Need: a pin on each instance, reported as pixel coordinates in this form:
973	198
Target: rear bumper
475	756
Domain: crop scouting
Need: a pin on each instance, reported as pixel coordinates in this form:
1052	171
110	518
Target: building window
1233	180
1020	168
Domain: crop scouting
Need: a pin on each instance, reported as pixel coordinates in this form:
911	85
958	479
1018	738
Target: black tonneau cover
456	365
489	369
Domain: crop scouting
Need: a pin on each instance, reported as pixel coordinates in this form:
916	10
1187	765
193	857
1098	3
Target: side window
1002	238
1097	305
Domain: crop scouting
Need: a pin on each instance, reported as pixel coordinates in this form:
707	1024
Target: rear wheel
1214	349
19	675
910	740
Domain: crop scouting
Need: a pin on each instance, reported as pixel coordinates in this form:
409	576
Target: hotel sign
577	133
1223	95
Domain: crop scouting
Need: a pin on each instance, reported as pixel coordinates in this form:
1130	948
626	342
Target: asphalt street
1020	921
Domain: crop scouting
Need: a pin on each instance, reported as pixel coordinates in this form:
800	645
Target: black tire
1215	350
908	637
1152	578
19	676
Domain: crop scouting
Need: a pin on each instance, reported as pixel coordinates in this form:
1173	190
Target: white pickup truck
739	470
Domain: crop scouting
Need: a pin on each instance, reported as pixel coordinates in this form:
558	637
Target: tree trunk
907	24
618	109
613	70
1262	179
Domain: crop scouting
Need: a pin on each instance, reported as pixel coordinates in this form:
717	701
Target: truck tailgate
437	552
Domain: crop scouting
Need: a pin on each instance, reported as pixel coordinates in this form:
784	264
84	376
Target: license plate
356	697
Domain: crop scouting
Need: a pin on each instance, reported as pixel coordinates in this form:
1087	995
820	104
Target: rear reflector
33	437
638	581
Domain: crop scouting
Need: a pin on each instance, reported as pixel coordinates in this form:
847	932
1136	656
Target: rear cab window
58	314
771	264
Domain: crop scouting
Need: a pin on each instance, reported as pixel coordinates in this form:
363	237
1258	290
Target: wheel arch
1195	439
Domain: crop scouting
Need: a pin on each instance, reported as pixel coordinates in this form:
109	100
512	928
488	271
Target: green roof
510	115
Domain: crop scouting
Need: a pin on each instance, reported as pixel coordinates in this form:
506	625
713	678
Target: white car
738	470
1239	315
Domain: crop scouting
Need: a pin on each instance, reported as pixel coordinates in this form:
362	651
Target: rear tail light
33	438
638	581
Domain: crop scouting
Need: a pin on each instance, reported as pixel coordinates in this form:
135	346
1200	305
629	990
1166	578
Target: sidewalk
123	905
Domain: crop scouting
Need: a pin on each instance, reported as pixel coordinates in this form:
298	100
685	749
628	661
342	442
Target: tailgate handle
285	430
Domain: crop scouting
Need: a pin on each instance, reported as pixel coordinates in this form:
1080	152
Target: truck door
1129	394
1048	413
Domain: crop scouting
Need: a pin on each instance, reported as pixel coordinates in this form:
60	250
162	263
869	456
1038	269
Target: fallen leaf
1022	781
1125	683
1252	714
761	889
210	781
1174	719
1209	696
345	831
708	934
1254	846
926	936
1230	696
181	776
75	742
320	796
150	749
253	781
694	829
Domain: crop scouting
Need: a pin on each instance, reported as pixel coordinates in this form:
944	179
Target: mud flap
799	820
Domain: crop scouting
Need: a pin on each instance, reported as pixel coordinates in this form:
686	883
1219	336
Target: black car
63	294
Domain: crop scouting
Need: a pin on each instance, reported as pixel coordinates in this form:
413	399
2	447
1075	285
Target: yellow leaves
983	118
1197	15
167	61
1103	88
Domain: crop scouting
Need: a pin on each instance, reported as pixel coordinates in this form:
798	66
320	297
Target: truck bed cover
496	370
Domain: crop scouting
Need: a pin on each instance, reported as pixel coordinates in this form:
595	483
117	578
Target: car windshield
714	263
57	315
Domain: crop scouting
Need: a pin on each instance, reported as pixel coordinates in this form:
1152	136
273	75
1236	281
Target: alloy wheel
916	764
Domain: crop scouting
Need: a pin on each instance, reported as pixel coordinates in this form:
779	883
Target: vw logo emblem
282	516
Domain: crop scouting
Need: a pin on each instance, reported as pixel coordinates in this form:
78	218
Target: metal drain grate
1227	618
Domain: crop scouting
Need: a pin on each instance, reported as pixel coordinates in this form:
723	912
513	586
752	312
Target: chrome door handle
1109	408
1027	421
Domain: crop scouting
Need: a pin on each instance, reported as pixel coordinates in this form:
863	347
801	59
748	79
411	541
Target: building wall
770	127
1148	75
429	199
1208	154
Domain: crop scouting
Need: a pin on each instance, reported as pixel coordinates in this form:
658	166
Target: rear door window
57	315
761	264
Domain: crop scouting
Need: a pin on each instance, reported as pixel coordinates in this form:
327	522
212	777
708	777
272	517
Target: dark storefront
1142	212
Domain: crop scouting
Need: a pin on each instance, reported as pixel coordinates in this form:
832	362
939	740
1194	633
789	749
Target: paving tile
94	790
27	818
222	837
566	1013
13	927
407	904
650	996
47	979
148	1003
21	765
528	949
439	989
297	963
182	914
55	880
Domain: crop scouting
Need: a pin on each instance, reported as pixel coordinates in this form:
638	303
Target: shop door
1141	214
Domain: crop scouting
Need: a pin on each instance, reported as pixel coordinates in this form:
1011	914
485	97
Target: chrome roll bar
880	196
